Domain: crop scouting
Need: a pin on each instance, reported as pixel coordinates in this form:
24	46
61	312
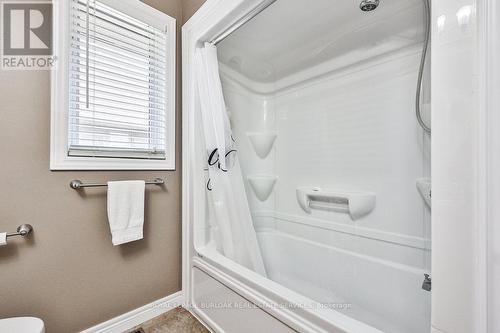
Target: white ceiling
293	35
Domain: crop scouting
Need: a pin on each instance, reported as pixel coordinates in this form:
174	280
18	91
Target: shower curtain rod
236	25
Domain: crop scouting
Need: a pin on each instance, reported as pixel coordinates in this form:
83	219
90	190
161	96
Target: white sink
22	325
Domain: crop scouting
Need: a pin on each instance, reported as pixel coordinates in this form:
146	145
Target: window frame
59	158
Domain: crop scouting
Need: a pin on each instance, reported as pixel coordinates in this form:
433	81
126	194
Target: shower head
368	5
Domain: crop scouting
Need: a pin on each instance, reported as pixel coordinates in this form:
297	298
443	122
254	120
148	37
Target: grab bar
23	230
78	184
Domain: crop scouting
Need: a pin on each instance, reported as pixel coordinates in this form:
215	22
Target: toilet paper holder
23	230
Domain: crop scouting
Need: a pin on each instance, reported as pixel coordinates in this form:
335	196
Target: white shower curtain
233	227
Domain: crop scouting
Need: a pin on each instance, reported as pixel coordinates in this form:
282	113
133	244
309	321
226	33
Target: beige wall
68	273
189	7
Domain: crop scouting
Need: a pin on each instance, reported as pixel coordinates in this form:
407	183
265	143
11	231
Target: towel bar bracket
23	230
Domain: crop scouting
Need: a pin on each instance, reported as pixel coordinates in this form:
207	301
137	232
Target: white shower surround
217	16
352	130
393	241
329	137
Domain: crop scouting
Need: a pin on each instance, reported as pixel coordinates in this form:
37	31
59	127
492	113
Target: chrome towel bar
23	230
78	184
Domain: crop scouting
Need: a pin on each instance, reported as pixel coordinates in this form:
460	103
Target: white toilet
22	325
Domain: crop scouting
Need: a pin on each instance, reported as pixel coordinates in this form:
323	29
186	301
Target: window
113	88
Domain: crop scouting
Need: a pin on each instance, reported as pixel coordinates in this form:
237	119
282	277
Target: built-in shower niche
262	185
262	142
356	204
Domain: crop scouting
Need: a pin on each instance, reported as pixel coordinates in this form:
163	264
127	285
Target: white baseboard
136	317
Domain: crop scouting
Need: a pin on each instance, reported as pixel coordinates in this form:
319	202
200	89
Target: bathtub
381	293
352	292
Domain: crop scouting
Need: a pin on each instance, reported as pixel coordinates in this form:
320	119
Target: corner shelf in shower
356	204
262	185
424	188
262	142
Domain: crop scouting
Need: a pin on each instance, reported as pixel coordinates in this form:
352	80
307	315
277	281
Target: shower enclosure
314	139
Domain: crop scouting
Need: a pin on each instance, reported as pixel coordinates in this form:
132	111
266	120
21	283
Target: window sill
97	163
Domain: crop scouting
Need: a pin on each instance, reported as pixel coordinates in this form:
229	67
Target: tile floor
178	320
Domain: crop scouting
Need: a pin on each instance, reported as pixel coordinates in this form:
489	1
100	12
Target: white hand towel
126	210
3	238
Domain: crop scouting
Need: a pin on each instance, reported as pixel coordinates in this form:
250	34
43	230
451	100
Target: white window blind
117	84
